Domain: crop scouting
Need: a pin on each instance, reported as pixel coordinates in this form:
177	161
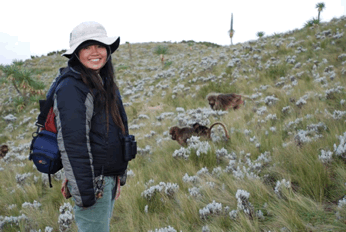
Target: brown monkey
204	131
3	151
181	135
220	101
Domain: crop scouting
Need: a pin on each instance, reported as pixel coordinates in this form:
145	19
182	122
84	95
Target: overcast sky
37	27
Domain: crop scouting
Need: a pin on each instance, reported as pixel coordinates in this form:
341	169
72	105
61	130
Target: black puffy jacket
83	141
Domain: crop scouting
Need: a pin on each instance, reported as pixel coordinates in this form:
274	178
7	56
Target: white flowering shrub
66	217
221	153
243	202
11	220
165	115
34	205
200	147
318	128
253	139
301	102
216	171
180	109
322	80
233	214
247	132
213	208
200	115
14	156
190	179
12	206
195	192
210	184
165	229
143	116
340	150
342	203
293	125
205	228
271	117
208	63
233	62
171	189
259	214
150	135
203	171
338	114
130	173
134	127
238	173
48	229
330	93
326	156
341	209
193	144
144	151
270	100
167	188
21	178
182	153
232	166
147	184
280	185
272	129
250	169
262	110
303	136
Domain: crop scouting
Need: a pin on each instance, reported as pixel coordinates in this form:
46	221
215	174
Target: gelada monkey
204	131
220	101
181	135
3	151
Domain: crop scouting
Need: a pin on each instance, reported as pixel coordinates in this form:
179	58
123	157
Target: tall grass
310	203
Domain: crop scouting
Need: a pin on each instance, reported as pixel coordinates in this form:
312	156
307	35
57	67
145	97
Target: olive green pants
97	218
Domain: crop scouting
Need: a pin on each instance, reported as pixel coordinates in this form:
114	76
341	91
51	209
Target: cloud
12	48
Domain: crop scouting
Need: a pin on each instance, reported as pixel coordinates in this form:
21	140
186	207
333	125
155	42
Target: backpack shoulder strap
45	105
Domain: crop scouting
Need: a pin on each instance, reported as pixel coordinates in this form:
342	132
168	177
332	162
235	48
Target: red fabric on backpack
50	122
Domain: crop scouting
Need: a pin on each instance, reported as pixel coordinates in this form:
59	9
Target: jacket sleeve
73	108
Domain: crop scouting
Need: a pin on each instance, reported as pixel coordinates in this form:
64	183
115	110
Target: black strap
50	181
45	105
49	177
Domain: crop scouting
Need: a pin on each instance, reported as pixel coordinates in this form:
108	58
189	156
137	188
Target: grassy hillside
283	169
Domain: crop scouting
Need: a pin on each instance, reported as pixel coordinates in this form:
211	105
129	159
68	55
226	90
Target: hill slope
283	169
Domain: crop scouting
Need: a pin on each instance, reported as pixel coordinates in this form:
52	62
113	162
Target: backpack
44	150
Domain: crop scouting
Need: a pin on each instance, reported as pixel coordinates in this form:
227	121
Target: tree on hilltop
260	34
231	31
320	7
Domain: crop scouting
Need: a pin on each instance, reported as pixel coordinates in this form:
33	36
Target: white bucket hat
90	31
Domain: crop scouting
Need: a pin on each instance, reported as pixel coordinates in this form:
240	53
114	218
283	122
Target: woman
91	122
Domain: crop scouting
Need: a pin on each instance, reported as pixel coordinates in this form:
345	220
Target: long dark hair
106	92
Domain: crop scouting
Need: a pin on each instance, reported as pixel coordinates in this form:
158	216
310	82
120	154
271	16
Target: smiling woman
93	56
91	122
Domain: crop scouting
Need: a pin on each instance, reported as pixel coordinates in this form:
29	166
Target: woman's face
93	57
